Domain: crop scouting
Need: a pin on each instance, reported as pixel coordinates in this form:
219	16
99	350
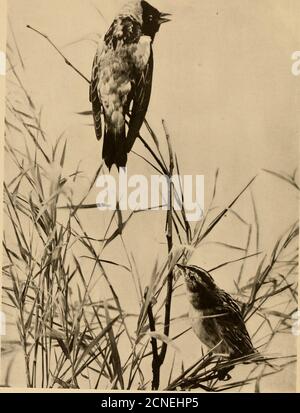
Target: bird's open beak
163	18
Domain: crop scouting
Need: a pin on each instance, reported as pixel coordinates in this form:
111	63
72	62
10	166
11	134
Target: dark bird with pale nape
121	81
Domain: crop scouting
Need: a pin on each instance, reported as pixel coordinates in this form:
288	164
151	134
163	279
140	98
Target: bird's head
197	279
152	19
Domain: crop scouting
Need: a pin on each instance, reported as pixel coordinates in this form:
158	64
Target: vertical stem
24	345
169	236
158	359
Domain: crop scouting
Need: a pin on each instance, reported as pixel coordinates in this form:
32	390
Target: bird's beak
163	18
184	271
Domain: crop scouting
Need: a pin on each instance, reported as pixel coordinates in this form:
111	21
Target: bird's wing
140	100
94	97
232	327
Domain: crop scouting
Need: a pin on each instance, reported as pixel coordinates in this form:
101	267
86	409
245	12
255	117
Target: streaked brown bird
215	316
122	79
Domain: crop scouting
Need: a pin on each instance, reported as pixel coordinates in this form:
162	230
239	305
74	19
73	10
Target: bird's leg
223	373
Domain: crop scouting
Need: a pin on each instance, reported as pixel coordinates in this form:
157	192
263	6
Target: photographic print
150	196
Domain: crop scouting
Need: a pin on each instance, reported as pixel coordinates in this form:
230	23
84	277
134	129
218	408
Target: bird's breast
141	52
205	327
197	323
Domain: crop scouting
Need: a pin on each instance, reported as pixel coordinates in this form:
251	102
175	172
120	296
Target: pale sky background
222	82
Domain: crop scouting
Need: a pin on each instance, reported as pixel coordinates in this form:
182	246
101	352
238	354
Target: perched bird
215	317
122	78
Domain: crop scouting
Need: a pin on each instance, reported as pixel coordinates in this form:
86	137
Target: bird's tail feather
114	147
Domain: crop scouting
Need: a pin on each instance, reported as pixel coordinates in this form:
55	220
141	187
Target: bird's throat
199	300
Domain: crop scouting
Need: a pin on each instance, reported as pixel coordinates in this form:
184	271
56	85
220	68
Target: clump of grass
70	339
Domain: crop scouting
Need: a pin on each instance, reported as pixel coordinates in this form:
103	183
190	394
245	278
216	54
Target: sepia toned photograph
150	196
